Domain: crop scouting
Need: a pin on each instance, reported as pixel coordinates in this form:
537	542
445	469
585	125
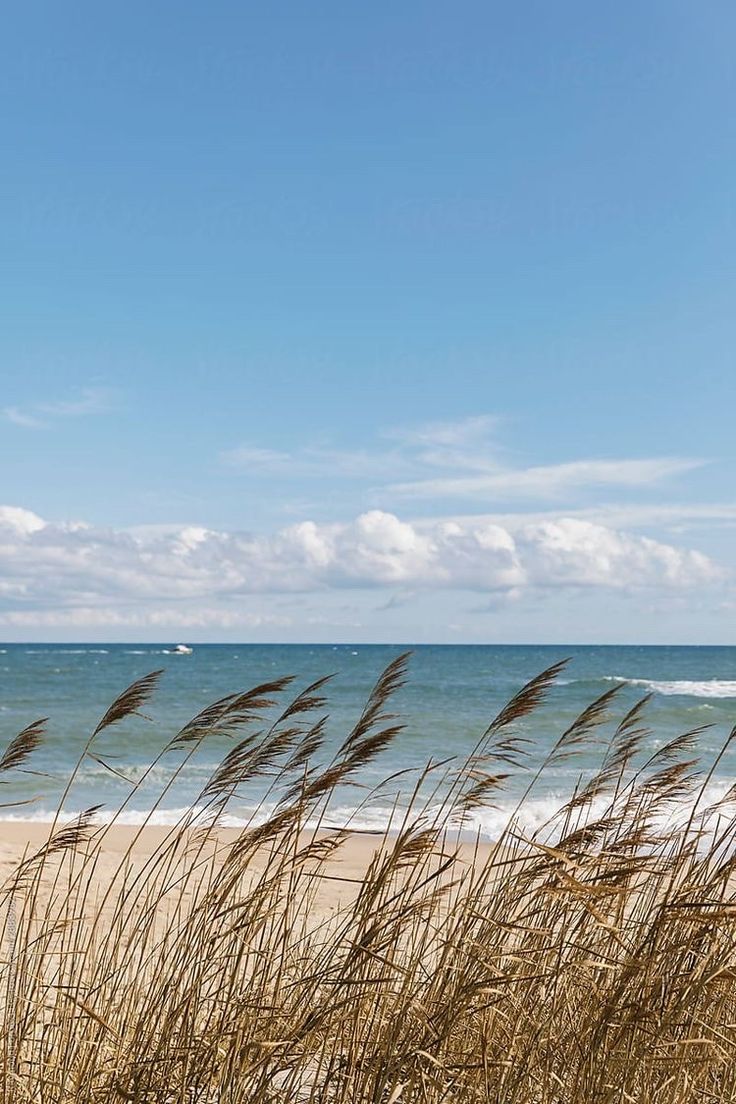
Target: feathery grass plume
500	744
281	963
310	744
390	681
231	713
130	701
625	744
669	753
587	722
529	698
68	837
23	745
496	742
363	743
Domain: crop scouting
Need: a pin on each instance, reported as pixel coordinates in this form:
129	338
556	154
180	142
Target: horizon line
359	644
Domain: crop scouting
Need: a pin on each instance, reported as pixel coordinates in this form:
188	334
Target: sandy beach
339	879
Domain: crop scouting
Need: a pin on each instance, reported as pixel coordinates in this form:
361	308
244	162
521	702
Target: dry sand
340	876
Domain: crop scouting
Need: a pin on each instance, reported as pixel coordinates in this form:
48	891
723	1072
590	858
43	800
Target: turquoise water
452	693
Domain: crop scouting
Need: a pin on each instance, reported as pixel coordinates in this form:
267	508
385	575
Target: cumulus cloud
14	520
574	552
82	573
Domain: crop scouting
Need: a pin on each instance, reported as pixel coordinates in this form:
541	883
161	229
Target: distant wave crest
708	688
67	651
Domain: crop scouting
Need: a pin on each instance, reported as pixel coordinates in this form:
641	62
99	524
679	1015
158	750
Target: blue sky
393	322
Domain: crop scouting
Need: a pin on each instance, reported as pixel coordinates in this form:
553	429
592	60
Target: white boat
181	649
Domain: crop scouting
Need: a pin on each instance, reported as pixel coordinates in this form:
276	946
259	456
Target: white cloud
475	430
547	481
158	617
450	460
317	462
56	574
90	400
15	519
251	458
467	444
671	517
21	418
574	552
675	515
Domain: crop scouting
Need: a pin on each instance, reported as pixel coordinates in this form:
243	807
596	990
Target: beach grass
591	960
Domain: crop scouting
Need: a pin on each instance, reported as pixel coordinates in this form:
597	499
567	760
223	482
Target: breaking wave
708	688
488	823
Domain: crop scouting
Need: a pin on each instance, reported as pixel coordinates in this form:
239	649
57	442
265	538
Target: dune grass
593	961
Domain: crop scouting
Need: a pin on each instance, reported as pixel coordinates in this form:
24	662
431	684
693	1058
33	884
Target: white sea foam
67	651
131	817
709	688
488	824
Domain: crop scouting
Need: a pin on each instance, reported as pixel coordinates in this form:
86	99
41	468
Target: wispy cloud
547	481
22	418
470	443
408	450
316	462
673	517
88	401
264	460
461	460
463	432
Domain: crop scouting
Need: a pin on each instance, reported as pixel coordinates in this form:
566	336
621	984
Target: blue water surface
451	694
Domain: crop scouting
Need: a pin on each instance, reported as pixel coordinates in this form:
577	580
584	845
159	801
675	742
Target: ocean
451	694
